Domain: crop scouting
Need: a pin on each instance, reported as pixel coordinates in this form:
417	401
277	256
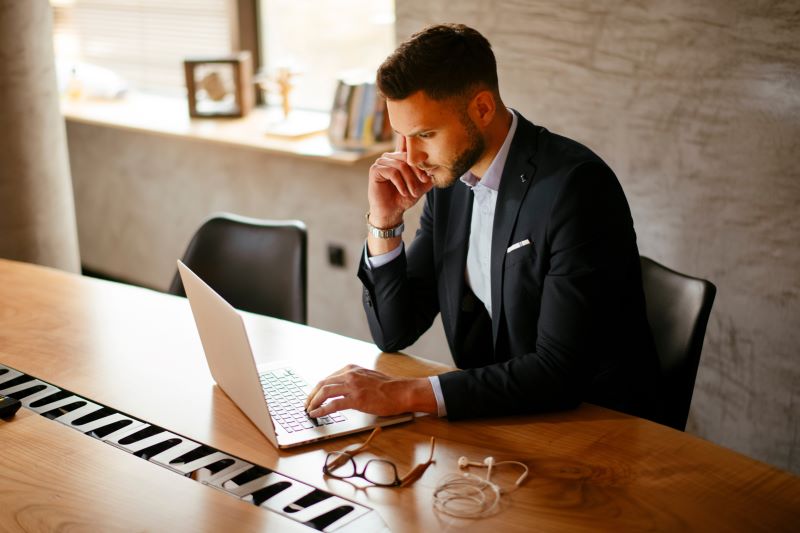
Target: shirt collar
491	179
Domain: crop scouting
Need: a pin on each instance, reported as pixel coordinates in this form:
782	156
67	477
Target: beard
464	160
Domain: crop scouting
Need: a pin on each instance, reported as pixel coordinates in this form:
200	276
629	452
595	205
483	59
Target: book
358	116
339	112
353	128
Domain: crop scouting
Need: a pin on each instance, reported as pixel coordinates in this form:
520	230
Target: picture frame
220	86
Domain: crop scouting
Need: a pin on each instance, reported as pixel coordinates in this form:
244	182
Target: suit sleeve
588	246
400	298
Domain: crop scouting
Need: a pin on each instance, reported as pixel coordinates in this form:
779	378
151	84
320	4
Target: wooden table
137	351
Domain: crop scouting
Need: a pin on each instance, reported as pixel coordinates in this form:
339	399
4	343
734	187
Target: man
526	248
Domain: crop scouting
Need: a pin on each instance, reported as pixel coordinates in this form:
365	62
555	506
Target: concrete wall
37	214
695	107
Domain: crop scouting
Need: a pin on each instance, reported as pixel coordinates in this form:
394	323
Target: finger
337	404
399	156
420	174
335	377
326	392
401	143
391	173
402	175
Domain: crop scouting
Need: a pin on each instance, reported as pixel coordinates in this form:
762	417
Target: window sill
170	116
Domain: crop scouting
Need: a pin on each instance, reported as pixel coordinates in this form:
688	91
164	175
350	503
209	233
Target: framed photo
220	86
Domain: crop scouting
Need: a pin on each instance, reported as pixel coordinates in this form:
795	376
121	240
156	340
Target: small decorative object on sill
287	122
279	81
220	86
358	116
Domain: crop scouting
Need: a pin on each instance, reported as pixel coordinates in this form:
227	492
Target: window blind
144	41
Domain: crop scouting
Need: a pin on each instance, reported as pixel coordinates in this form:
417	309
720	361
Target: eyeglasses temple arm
363	446
342	459
418	470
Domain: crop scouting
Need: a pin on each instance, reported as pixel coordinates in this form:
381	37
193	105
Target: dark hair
444	60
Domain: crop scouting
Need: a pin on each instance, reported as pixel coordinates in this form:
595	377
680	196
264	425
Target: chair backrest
678	307
256	265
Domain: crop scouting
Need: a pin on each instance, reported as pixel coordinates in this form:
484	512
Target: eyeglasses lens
380	472
339	465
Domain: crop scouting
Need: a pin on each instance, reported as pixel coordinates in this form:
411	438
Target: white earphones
490	463
466	495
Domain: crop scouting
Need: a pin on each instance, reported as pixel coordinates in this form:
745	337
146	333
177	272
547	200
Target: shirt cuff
377	261
441	409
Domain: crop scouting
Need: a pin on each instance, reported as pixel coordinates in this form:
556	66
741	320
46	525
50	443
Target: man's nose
414	156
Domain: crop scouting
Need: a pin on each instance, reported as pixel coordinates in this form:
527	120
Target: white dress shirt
478	271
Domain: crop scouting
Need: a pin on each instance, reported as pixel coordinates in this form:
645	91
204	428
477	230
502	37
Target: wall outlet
336	255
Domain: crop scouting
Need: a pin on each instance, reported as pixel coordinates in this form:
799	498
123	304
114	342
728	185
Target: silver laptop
273	395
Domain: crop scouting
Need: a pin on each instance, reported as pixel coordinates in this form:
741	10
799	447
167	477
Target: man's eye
426	135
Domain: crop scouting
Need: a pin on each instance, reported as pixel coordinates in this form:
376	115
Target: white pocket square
520	244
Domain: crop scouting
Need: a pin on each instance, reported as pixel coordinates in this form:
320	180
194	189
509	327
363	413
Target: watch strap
384	233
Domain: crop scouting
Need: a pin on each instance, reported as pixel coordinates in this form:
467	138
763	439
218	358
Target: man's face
441	139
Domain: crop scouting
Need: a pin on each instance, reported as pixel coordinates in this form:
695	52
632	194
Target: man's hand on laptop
370	391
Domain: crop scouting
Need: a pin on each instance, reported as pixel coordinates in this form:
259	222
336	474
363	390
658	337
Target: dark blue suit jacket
569	321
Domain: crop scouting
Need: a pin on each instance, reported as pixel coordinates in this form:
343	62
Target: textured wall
37	214
696	105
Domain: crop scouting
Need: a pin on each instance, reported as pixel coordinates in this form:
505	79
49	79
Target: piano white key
329	504
68	418
56	404
47	391
227	473
105	421
114	437
152	440
262	482
8	376
296	491
20	387
197	464
174	452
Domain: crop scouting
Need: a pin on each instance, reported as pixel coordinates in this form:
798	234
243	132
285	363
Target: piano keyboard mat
312	507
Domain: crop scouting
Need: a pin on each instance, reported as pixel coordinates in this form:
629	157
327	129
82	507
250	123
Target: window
144	41
323	40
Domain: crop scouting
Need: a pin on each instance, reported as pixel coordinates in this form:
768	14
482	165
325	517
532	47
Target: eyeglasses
380	472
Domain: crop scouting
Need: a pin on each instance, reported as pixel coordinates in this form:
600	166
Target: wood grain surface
137	351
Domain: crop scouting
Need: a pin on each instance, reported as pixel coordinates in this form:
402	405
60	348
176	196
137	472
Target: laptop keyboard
286	395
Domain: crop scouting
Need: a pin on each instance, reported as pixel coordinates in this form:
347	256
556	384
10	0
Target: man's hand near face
370	391
394	187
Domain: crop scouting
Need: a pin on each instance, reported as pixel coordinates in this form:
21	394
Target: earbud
463	462
489	462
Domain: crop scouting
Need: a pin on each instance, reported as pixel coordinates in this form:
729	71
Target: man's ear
483	107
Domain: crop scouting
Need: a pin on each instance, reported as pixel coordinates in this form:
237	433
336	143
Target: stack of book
358	117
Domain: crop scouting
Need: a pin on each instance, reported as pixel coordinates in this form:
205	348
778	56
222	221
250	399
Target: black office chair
256	265
678	307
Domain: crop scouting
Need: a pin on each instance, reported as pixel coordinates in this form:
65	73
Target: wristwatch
386	233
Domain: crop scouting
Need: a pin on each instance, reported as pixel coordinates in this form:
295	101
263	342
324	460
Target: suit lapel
518	174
